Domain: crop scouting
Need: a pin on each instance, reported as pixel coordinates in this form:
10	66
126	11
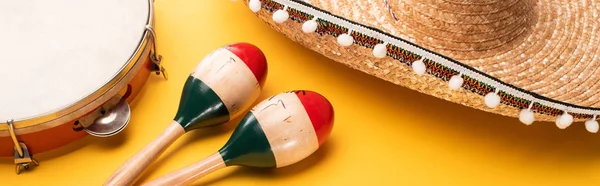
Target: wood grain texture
189	174
131	170
287	127
230	78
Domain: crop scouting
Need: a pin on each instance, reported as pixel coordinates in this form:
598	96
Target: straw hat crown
468	29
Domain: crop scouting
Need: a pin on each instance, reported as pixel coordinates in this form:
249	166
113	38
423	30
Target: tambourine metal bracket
24	162
23	159
155	57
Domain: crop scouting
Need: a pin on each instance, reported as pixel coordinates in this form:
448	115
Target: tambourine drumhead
56	53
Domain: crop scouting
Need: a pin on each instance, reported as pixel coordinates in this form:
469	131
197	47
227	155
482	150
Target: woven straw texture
546	47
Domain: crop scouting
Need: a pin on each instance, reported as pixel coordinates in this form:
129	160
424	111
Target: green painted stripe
248	145
200	106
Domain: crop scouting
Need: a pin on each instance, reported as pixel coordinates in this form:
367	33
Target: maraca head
319	111
222	86
280	131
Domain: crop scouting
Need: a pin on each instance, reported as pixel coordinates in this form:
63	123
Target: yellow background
383	135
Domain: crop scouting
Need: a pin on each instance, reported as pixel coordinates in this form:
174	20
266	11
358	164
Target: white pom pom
419	67
591	126
280	16
492	100
380	50
563	121
455	82
345	40
526	117
309	26
254	5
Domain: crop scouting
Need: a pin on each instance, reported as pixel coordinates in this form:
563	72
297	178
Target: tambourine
70	68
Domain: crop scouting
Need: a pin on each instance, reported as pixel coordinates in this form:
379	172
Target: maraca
277	132
223	85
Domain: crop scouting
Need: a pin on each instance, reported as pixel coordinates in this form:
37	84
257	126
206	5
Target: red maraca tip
320	112
253	57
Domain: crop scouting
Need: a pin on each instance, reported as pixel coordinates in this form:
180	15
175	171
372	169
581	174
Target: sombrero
536	60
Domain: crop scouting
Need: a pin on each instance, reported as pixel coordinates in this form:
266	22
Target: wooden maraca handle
131	170
190	173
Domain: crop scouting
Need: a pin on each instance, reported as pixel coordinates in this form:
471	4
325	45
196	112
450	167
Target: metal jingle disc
112	122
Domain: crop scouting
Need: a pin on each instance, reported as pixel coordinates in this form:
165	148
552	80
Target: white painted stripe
287	127
230	78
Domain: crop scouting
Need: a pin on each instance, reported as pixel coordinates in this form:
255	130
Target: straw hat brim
517	91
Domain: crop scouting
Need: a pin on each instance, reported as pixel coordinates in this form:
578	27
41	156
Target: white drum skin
56	53
65	59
